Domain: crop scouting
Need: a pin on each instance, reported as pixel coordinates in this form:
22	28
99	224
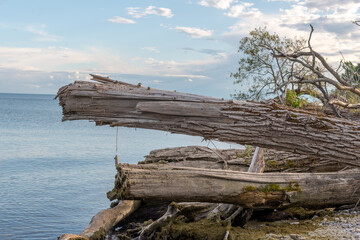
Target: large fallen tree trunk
255	123
239	159
234	214
251	190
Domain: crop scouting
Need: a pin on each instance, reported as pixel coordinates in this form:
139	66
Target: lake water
54	175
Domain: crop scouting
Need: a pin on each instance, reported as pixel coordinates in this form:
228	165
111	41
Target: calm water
54	175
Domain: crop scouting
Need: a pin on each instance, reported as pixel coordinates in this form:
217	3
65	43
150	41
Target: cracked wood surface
239	159
252	190
254	123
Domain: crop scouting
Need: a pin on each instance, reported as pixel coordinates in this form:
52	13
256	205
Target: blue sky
177	45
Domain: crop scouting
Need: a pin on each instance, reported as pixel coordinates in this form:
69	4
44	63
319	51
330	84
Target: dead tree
104	220
255	123
323	78
267	190
239	159
267	125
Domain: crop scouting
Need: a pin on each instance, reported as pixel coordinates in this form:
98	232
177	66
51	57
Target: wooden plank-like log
239	159
108	218
105	220
251	190
255	123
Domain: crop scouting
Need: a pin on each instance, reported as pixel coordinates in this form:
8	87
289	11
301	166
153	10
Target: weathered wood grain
251	190
255	123
239	159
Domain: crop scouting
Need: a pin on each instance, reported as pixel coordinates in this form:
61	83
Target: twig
226	235
216	152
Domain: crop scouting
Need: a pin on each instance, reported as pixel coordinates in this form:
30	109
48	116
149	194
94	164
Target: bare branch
344	104
322	60
311	50
357	22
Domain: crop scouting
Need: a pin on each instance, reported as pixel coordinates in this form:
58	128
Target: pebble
344	225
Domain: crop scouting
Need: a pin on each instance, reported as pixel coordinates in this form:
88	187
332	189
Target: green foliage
260	74
294	100
248	150
351	73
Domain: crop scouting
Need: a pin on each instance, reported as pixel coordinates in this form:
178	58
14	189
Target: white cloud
242	10
42	35
89	60
222	4
64	59
195	32
40	58
187	69
283	0
117	19
331	5
151	49
151	10
212	52
20	81
186	76
332	27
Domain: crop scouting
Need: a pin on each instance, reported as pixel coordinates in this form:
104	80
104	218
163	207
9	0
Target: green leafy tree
286	68
260	74
351	73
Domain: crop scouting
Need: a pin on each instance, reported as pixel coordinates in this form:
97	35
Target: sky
189	46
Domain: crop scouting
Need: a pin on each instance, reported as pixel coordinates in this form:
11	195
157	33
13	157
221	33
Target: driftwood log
239	159
104	220
254	123
300	141
236	215
267	190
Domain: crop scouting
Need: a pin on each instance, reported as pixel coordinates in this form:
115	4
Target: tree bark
255	123
267	190
239	159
